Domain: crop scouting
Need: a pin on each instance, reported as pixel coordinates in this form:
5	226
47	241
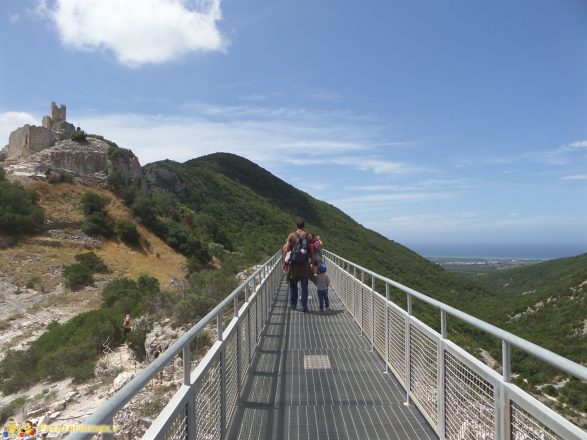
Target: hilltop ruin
30	139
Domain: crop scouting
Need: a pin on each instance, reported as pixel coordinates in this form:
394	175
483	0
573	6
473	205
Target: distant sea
499	251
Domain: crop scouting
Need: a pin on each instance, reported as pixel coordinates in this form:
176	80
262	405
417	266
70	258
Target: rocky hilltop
38	153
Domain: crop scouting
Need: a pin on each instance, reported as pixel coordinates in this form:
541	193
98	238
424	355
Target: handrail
548	356
105	414
457	394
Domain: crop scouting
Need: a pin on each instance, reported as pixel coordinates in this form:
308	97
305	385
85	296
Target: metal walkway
315	377
279	374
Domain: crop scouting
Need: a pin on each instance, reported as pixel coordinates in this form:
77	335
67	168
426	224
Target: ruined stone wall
58	113
28	140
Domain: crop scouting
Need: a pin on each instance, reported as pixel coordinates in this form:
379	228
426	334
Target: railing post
238	348
441	409
222	360
502	402
386	328
361	301
108	435
408	348
191	411
372	313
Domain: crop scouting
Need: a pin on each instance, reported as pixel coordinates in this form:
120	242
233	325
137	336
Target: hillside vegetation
222	213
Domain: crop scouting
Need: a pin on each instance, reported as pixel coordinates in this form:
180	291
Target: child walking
322	283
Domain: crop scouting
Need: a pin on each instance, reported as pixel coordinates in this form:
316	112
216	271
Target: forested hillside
224	214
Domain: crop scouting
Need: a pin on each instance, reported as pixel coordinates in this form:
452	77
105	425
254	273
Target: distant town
477	266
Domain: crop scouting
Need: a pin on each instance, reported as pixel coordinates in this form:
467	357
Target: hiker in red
301	254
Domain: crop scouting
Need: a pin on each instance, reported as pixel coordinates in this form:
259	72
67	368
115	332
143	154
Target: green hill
256	211
545	303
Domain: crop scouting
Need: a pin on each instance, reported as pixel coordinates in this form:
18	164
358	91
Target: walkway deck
314	377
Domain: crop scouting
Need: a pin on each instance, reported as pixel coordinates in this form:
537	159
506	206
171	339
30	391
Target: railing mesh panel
230	356
469	408
178	429
260	317
423	371
379	308
208	417
253	326
356	299
526	427
243	330
396	328
367	311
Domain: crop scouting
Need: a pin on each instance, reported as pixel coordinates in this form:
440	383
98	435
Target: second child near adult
322	283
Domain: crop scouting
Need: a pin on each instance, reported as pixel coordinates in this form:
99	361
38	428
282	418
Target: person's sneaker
321	309
292	307
303	310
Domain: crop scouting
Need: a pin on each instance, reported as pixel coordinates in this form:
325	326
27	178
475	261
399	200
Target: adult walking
301	255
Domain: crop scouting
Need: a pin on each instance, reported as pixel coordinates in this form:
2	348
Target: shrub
143	210
93	202
19	211
33	282
55	178
124	295
92	262
78	135
136	342
127	232
97	224
116	180
115	152
77	276
11	408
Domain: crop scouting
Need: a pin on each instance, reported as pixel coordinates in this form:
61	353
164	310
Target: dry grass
62	203
41	258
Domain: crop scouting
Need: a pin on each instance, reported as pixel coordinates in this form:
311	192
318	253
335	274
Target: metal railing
461	397
203	406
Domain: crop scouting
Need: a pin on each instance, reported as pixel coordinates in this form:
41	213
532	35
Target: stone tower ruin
30	139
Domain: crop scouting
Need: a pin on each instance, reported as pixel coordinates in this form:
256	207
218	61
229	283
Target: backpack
299	252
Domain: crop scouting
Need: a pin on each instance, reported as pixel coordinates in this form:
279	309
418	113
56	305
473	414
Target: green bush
92	262
127	296
97	224
10	409
144	211
115	152
78	136
77	276
32	282
72	349
127	232
55	178
19	211
93	202
136	342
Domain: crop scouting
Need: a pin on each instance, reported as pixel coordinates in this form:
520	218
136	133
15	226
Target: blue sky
453	127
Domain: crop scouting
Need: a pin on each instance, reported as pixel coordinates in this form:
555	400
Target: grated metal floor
314	377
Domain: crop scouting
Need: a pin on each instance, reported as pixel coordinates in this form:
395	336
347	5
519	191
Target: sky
454	127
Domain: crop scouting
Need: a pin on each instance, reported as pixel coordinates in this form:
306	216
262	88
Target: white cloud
376	165
575	145
575	177
9	121
268	136
352	202
138	31
13	18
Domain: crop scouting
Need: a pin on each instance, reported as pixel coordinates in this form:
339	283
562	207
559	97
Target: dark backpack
299	252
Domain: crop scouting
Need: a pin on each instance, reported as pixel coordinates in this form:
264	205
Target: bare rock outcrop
38	152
